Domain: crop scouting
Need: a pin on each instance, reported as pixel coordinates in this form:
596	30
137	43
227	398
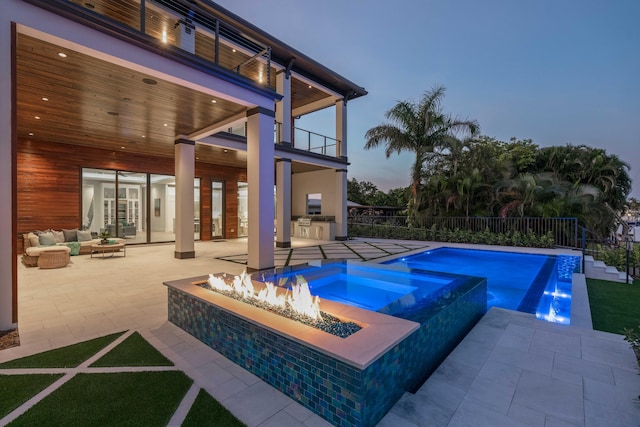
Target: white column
341	204
283	107
260	174
283	203
185	174
341	128
8	234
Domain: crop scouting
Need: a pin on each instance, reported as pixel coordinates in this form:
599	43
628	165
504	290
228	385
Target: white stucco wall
323	182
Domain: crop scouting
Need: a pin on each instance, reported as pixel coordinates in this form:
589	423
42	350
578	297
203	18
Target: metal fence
620	252
563	230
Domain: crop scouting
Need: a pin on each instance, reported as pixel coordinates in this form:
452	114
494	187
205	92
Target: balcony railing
215	41
314	142
302	139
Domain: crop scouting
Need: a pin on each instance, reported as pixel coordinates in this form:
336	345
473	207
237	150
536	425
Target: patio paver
506	353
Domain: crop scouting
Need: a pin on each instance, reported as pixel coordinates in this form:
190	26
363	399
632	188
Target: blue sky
555	71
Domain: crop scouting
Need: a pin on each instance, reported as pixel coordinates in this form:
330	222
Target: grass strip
206	411
126	398
133	351
63	357
17	389
614	306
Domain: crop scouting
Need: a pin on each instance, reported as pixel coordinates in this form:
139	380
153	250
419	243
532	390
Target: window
243	209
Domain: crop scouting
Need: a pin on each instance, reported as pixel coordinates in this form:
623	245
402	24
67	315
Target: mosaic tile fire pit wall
344	392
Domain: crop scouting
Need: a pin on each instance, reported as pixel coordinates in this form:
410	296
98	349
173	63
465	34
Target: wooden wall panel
49	182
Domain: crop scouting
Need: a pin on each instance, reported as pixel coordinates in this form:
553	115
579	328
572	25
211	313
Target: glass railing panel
314	142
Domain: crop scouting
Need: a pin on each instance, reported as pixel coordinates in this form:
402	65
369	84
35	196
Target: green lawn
98	399
614	306
64	357
133	351
126	398
17	389
205	409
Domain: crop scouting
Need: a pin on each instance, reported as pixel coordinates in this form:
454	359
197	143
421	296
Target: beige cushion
36	251
34	240
58	235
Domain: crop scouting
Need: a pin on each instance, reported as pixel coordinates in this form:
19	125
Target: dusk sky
555	71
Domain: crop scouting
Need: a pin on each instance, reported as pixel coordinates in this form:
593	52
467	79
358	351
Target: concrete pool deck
510	370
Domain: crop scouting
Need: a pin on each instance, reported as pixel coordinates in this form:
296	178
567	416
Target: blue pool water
537	284
375	287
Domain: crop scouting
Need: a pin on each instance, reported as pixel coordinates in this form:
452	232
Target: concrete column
8	233
341	204
283	203
283	107
260	172
341	128
185	174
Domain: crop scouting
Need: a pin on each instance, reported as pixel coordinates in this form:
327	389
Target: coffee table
111	248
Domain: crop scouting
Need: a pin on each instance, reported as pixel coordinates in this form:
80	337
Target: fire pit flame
299	298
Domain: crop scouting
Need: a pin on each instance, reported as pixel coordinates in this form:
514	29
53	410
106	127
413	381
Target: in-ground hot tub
349	381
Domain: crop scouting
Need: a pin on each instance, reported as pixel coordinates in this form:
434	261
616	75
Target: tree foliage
419	128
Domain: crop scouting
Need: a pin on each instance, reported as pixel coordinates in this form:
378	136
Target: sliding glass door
217	210
138	207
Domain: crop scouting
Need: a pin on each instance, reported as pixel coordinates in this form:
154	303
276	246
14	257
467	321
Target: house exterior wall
322	182
49	184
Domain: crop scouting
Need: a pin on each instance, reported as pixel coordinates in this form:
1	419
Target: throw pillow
34	240
84	235
74	247
59	236
47	239
70	235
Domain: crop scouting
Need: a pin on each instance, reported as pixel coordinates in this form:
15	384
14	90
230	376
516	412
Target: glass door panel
132	197
217	209
196	209
163	208
98	199
243	209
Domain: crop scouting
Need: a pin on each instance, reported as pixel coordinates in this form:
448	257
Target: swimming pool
393	290
537	284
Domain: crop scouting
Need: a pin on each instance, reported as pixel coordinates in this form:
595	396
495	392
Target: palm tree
418	128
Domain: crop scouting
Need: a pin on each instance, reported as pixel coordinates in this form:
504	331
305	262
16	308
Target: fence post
584	247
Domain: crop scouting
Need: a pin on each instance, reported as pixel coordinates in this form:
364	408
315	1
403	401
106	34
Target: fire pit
350	381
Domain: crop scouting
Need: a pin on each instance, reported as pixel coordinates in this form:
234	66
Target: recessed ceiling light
226	151
149	81
30	133
143	136
166	124
62	54
233	50
309	86
122	148
45	99
213	101
36	117
197	158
